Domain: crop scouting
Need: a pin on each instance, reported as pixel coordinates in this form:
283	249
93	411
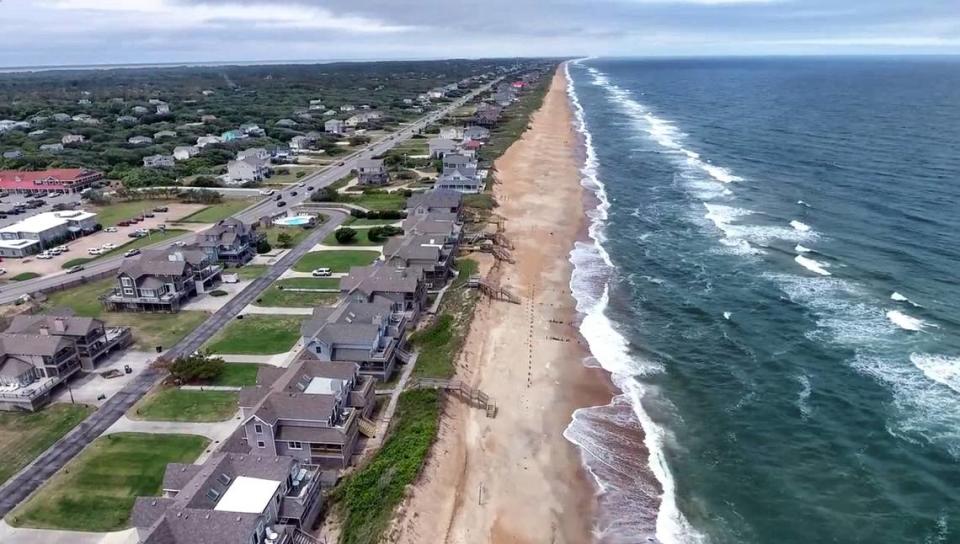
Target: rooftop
43	222
248	495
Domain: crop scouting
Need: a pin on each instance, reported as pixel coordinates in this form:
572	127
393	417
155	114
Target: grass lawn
216	212
337	261
149	329
291	177
377	201
96	490
360	240
296	233
135	243
25	435
111	214
367	498
364	222
250	271
310	283
276	297
172	404
237	374
24	276
257	335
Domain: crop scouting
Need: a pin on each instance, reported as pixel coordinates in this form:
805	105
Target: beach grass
439	344
25	435
367	498
173	404
257	335
96	490
337	261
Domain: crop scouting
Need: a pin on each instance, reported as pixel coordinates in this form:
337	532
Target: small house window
213	494
260	444
294	445
126	281
258	428
223	479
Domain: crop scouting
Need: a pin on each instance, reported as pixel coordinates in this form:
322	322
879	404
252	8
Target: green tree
263	246
198	367
285	240
345	235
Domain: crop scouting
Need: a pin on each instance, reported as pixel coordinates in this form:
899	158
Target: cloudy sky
57	32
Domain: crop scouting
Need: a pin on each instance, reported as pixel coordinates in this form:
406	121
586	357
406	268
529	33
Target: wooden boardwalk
492	290
473	396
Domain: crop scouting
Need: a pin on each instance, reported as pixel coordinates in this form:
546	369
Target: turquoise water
773	284
295	221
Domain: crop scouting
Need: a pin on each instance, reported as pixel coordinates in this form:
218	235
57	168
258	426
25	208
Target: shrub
218	293
377	234
284	240
300	174
263	246
345	235
195	368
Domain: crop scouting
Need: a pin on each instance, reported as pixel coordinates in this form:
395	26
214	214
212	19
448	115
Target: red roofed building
64	180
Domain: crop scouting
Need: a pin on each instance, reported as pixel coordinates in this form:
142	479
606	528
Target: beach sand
515	478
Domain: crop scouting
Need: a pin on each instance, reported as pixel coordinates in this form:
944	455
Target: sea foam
592	268
814	266
904	321
939	368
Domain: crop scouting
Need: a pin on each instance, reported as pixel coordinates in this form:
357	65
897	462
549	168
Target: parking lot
80	247
11	200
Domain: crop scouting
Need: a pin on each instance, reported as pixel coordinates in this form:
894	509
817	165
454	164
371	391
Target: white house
246	170
72	139
184	152
255	152
158	161
140	140
334	126
204	141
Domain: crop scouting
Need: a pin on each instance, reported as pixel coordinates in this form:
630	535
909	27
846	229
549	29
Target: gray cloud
107	31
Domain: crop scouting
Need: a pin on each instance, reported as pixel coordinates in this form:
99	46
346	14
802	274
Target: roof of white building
248	495
43	222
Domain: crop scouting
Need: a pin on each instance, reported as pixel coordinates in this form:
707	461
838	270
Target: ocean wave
803	397
608	346
800	226
895	296
802	249
939	368
814	266
904	321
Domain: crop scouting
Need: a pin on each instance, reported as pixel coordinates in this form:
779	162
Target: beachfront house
372	172
432	254
312	411
238	498
403	286
248	169
440	147
230	241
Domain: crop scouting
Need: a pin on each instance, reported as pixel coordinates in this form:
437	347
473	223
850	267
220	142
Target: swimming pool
295	221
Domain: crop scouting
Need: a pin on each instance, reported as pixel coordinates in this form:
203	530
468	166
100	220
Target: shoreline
516	478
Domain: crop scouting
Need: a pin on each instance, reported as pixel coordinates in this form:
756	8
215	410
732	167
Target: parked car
3	271
74	269
110	229
94	251
131	253
281	204
123	224
62	249
45	255
321	273
160	209
278	197
108	246
266	192
148	214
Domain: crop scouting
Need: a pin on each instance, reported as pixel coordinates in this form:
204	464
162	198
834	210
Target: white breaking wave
801	227
812	265
802	203
803	396
607	345
802	249
726	315
900	298
904	321
939	368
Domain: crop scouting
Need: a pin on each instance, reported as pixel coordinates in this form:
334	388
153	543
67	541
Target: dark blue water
782	297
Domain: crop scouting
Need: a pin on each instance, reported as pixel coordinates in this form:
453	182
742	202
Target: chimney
59	325
44	330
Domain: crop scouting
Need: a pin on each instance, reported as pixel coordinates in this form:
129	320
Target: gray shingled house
162	280
433	254
31	365
372	172
237	498
311	411
94	340
403	286
366	333
230	241
437	200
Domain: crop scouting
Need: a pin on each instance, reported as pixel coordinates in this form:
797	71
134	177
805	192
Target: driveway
89	386
49	536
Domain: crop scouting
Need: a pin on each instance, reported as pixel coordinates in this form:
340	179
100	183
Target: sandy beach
514	478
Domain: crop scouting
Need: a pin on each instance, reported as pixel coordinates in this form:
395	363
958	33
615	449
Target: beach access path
515	478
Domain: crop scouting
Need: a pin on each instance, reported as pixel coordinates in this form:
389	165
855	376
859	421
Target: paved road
49	462
267	206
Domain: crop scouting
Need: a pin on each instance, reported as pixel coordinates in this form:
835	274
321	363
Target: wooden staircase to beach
472	395
300	537
493	291
367	428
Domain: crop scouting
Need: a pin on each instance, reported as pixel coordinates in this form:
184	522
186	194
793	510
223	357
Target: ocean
772	280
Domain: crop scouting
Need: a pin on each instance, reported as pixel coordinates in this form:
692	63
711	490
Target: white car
62	249
108	246
3	271
267	192
45	255
321	273
110	229
94	251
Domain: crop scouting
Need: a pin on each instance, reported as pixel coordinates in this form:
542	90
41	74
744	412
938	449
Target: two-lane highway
267	206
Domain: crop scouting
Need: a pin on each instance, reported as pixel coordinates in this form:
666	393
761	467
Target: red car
123	224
